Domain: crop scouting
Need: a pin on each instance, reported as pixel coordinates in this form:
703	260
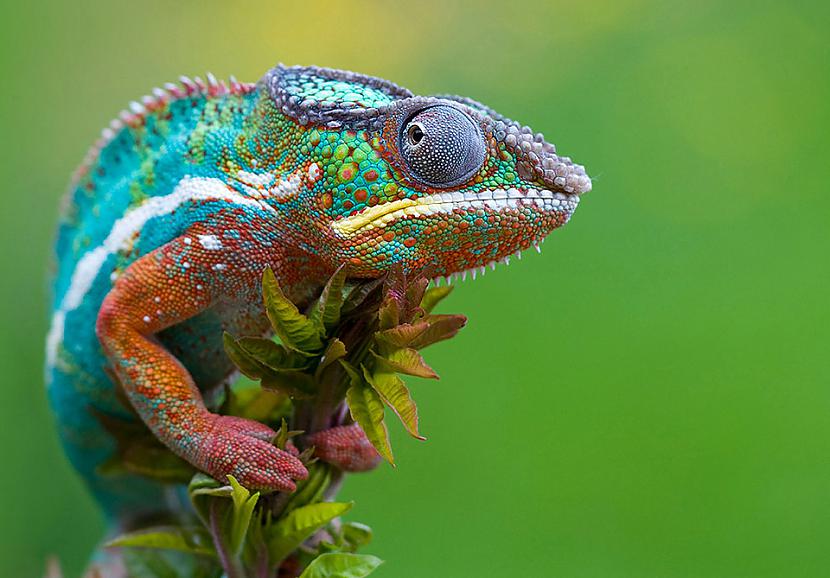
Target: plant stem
337	477
230	563
322	412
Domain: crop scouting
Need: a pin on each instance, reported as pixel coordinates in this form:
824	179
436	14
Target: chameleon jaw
447	202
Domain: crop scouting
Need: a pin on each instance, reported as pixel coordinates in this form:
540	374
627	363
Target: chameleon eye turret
441	146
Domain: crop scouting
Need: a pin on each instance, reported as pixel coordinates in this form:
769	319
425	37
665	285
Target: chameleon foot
238	447
345	447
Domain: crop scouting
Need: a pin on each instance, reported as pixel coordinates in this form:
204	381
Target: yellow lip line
351	224
500	199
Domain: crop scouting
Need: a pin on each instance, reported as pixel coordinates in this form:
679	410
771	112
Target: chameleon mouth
497	200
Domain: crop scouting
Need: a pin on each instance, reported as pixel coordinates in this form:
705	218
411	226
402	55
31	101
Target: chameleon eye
441	146
415	134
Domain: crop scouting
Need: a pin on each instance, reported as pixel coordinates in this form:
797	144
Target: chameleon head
439	182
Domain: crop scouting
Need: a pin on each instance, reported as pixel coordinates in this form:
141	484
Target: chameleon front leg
165	287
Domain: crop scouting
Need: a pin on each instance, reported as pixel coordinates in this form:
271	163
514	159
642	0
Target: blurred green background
650	397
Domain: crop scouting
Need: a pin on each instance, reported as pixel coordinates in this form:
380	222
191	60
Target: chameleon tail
76	397
127	501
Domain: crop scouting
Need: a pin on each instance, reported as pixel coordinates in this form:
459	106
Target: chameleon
191	193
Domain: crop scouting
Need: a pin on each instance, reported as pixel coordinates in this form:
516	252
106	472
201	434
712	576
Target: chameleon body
194	191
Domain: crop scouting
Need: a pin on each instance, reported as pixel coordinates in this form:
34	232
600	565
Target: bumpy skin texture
193	192
346	447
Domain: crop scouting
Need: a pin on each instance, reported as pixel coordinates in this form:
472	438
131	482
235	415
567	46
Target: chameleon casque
192	193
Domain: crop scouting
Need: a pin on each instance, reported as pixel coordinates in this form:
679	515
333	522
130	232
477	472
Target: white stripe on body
89	266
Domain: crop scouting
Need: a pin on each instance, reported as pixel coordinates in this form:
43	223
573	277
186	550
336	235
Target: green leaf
433	296
291	382
396	395
401	335
271	354
311	489
334	351
414	295
284	434
355	535
407	361
255	552
297	526
204	485
324	547
331	299
389	313
246	363
363	294
441	327
257	404
341	565
366	408
157	462
202	489
149	563
295	330
191	540
354	376
243	508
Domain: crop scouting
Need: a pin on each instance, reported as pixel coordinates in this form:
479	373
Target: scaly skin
187	198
